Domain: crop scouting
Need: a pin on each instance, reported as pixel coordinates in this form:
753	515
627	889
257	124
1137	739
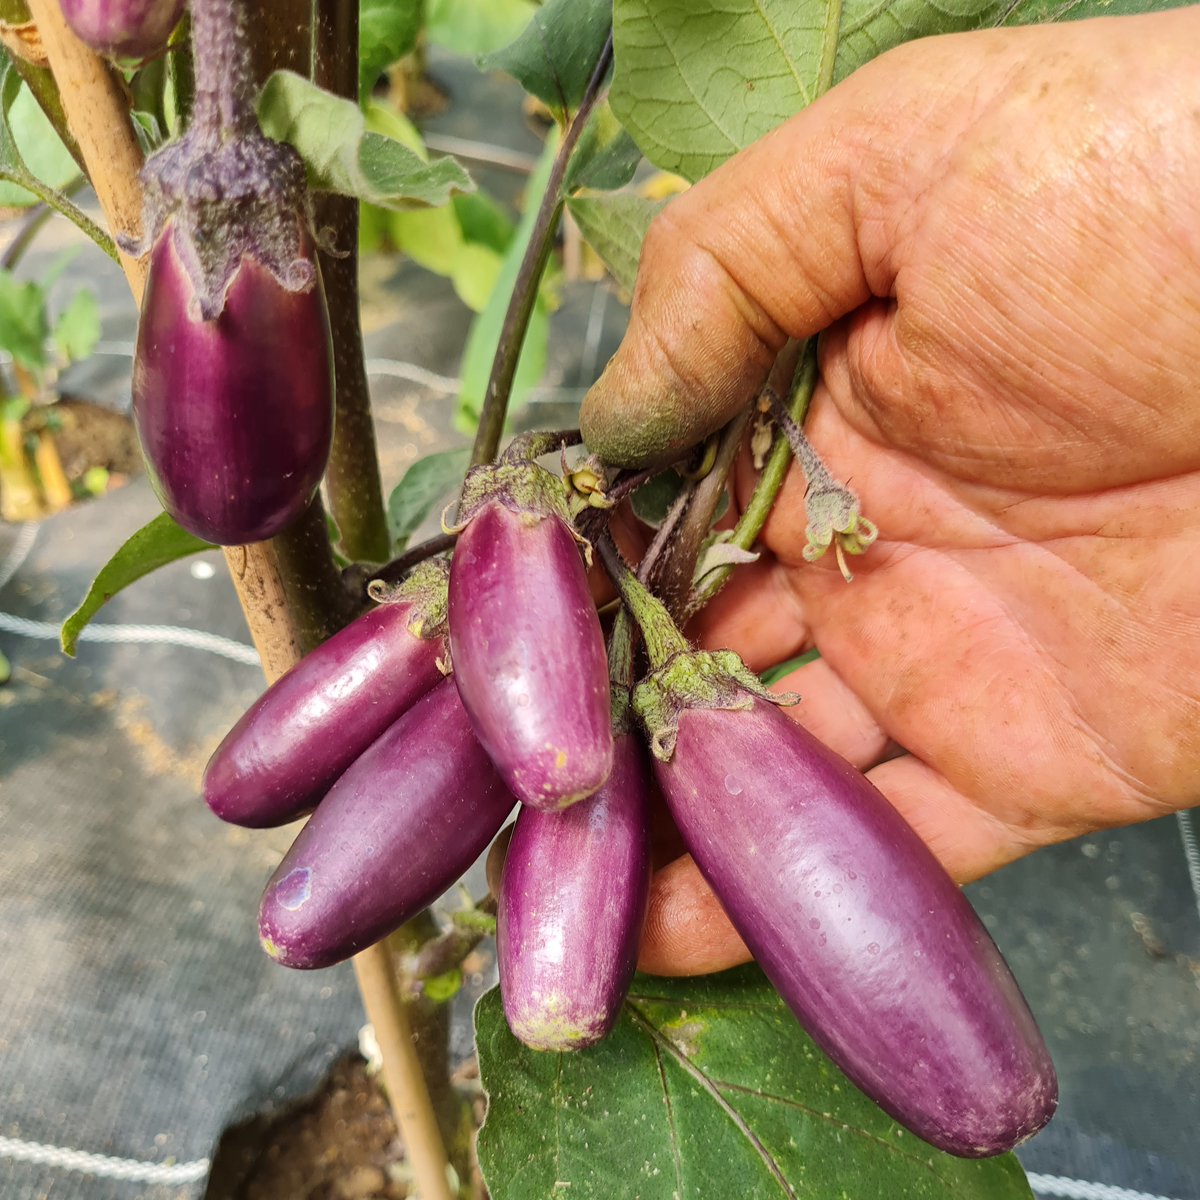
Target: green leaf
153	546
39	148
484	335
23	325
474	276
482	220
343	156
707	1088
431	237
697	80
556	53
654	498
605	158
779	670
440	988
78	327
380	118
614	227
426	482
387	31
474	27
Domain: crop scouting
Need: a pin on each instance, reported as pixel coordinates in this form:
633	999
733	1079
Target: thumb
763	249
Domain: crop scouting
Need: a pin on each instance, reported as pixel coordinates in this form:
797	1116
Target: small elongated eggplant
297	738
572	903
234	414
525	639
395	831
129	28
233	374
867	939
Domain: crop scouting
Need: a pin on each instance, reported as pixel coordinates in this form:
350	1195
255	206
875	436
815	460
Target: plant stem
662	637
524	295
662	536
59	203
224	99
396	570
675	579
774	472
352	477
99	118
402	1071
37	216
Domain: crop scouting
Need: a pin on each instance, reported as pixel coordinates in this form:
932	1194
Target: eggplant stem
663	639
755	514
524	295
394	571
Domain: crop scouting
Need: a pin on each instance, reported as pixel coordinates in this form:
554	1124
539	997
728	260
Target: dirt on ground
341	1143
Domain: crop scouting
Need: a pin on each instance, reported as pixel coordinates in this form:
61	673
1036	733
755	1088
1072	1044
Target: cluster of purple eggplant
485	681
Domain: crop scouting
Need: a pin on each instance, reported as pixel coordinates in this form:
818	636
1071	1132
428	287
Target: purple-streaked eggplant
395	831
572	902
233	373
129	28
869	942
296	739
524	636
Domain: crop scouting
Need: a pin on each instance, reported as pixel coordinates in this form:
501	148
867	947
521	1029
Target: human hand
1001	232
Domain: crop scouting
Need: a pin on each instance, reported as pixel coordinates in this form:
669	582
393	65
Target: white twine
165	635
101	1165
1081	1189
1191	851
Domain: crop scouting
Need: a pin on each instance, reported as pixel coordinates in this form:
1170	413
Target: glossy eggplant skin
296	739
867	939
529	656
395	831
128	28
234	415
571	907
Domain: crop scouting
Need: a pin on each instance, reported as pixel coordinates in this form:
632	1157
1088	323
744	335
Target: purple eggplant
572	902
525	639
234	414
395	831
298	737
867	939
129	28
233	374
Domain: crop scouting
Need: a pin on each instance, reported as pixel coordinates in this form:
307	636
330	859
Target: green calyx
695	679
425	590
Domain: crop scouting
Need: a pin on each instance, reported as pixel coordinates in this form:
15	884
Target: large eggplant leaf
387	31
40	148
614	227
342	155
697	80
153	546
476	26
556	53
707	1089
426	482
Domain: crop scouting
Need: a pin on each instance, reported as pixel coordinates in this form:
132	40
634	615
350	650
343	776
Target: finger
762	249
686	930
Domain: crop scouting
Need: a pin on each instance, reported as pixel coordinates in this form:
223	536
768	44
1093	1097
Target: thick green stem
774	472
663	639
352	477
533	265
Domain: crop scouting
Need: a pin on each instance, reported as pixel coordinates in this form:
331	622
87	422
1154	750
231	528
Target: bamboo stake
99	119
402	1072
100	122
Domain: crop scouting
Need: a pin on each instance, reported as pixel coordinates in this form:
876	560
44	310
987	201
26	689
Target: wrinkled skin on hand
1000	234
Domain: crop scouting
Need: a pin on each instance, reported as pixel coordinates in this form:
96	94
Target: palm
1034	655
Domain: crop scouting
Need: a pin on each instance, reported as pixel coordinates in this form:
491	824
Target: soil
90	435
340	1143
